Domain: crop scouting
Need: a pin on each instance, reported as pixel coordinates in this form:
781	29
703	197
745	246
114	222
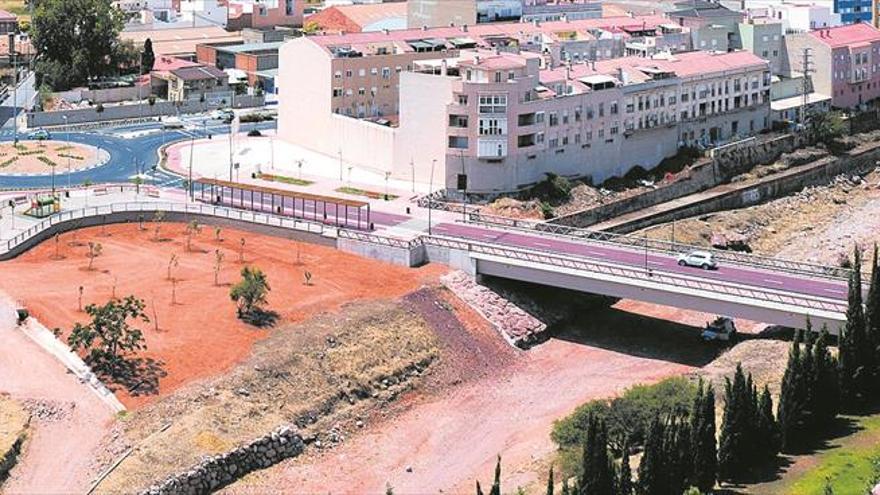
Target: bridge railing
156	206
379	239
585	264
661	246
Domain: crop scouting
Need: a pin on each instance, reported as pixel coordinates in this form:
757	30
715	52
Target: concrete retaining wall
706	173
135	111
790	181
407	257
219	471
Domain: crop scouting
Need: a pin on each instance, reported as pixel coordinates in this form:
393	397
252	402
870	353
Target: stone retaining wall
221	470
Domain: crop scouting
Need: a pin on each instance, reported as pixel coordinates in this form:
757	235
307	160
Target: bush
628	415
553	189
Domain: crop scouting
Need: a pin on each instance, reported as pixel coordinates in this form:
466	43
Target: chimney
386	31
476	60
564	18
536	22
593	64
451	24
444	67
424	28
621	76
464	28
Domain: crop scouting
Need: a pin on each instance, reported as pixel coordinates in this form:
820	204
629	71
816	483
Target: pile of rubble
518	327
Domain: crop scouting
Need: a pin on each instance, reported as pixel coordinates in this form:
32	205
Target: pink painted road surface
738	274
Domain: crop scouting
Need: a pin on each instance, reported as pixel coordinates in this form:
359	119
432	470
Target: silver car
699	259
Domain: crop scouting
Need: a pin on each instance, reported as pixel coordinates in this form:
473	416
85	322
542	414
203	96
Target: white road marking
774	281
655	262
543	244
835	291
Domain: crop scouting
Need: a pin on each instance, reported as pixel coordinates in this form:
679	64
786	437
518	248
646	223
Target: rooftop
199	72
479	31
851	34
363	17
179	41
250	47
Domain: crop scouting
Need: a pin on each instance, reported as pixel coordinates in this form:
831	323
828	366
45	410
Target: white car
172	123
699	259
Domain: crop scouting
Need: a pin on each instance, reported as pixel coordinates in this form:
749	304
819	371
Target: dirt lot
813	225
198	335
38	157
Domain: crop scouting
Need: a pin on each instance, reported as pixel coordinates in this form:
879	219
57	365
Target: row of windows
374	71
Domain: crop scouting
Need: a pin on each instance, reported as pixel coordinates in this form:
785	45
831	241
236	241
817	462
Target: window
362	72
362	91
337	92
511	76
539	117
337	75
577	114
554	119
565	117
462	100
348	73
458	121
374	71
539	137
553	143
458	142
493	103
577	138
386	73
498	77
671	100
615	128
602	109
492	127
614	108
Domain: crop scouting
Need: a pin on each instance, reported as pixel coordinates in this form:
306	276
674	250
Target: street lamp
430	191
189	184
68	154
387	176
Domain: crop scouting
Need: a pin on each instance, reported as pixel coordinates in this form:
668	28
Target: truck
721	329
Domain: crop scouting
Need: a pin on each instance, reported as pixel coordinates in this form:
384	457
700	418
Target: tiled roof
851	34
198	73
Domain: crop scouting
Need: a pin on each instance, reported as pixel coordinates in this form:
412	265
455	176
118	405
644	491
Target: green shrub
553	189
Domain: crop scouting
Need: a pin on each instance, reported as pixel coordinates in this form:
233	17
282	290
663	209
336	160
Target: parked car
699	259
254	133
223	114
722	328
40	135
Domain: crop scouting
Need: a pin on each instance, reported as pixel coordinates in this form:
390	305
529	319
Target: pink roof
7	16
491	29
682	64
165	64
851	34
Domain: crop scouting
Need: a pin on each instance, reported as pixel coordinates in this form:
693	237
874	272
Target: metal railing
167	207
677	280
662	246
380	240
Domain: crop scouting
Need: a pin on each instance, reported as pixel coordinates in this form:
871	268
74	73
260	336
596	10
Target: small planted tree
250	293
141	223
57	238
157	224
79	300
217	232
95	249
218	263
241	250
110	337
172	264
307	278
192	228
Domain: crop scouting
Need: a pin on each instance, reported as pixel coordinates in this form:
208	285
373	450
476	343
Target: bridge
756	288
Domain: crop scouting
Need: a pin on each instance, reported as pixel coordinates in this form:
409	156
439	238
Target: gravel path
68	421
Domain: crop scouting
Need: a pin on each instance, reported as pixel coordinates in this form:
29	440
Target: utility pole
14	88
806	68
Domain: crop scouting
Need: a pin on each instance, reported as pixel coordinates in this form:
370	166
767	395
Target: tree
250	293
157	222
109	337
95	249
172	264
792	396
218	263
597	476
872	319
826	395
767	429
703	448
550	486
241	250
77	40
651	474
192	228
733	446
496	484
854	353
148	58
624	477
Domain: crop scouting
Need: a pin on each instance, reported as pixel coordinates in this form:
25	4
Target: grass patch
848	468
31	152
64	148
363	192
72	157
8	162
285	179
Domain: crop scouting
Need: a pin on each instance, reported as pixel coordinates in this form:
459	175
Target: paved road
132	149
626	256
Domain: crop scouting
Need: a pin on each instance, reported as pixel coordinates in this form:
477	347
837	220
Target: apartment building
504	122
264	14
557	10
764	38
362	69
845	62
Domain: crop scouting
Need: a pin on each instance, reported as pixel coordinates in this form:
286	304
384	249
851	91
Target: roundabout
45	157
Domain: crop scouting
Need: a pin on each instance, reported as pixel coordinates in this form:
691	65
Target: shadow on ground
140	376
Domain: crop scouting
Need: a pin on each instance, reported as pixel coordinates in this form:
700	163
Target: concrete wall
219	471
110	95
403	256
124	112
788	182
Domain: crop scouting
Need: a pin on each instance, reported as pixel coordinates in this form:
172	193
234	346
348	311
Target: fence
112	213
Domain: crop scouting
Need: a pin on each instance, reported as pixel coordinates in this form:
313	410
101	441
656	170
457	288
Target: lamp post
189	182
387	176
430	191
68	154
340	164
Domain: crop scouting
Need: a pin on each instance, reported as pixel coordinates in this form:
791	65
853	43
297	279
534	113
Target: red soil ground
199	336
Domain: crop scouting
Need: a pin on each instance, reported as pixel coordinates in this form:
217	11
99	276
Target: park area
41	157
193	331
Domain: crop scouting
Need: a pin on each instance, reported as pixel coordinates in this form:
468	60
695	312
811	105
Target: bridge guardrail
662	246
152	207
378	239
564	261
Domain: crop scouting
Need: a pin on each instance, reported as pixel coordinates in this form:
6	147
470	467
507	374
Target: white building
796	16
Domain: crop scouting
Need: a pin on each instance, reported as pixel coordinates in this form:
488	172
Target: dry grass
310	370
13	423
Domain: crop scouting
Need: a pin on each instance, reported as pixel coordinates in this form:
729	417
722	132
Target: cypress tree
792	396
854	380
826	393
565	489
550	482
767	429
735	430
651	473
496	485
597	477
624	478
148	58
677	451
872	320
705	461
479	489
